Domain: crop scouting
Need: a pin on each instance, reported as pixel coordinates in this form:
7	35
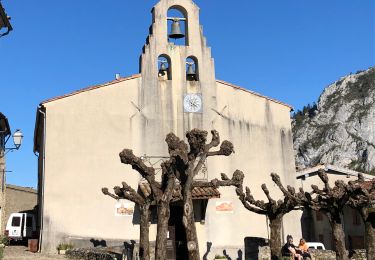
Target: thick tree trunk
275	237
189	224
370	235
162	231
144	243
338	238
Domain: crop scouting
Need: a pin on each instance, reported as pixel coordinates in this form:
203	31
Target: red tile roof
199	193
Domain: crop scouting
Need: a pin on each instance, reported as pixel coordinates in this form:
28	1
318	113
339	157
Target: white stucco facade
79	137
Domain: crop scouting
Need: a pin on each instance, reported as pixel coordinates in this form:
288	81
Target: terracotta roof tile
205	193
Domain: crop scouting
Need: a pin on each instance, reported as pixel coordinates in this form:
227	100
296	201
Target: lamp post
17	141
5	135
4	22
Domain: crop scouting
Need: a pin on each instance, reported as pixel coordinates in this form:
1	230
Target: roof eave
255	93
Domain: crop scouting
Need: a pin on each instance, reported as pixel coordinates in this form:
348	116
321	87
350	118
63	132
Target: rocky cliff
340	128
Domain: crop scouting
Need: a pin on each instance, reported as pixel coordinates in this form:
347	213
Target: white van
316	245
21	226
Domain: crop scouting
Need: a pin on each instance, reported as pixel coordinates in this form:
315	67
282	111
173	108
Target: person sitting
289	249
304	248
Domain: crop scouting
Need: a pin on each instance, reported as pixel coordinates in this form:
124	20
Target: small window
29	221
319	247
164	67
16	221
192	71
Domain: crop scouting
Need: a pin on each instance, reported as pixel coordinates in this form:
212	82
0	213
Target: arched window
164	67
177	25
192	69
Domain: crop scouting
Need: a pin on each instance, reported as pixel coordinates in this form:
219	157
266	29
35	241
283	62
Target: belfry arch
178	25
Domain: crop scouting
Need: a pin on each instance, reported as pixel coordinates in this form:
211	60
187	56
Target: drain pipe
41	206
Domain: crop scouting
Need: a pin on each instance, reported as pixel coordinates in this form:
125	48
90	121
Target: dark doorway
177	237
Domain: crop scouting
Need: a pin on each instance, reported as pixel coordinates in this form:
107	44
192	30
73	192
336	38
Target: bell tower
178	90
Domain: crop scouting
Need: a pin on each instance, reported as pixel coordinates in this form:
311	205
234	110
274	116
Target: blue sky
289	50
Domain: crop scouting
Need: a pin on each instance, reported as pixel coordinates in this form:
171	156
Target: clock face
193	103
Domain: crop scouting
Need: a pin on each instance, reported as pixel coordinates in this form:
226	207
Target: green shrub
64	246
220	257
4	240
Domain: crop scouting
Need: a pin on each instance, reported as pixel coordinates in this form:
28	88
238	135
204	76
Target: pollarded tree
143	200
331	201
274	210
192	163
362	198
162	192
177	182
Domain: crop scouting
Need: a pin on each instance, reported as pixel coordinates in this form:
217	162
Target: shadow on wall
209	245
129	249
225	254
98	243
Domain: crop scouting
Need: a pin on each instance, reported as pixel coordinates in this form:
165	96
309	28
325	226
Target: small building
20	199
78	137
315	225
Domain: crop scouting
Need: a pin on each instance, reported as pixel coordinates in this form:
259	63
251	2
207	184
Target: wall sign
124	208
224	207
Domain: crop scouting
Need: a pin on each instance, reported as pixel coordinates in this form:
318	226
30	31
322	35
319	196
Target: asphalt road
18	252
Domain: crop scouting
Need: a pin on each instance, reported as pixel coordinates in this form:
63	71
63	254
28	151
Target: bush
90	254
63	246
4	240
220	257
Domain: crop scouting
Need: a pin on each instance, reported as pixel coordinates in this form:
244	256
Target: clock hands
192	103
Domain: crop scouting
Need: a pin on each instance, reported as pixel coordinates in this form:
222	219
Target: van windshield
16	221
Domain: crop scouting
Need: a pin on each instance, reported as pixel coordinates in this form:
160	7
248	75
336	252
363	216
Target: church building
79	136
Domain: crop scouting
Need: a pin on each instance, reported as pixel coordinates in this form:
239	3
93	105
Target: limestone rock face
340	128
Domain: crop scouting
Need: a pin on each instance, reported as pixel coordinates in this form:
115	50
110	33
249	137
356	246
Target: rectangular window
16	221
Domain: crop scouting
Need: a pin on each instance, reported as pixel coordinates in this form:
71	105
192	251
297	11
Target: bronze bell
162	69
190	71
176	30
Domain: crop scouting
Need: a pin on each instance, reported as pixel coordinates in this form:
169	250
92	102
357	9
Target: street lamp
17	141
4	21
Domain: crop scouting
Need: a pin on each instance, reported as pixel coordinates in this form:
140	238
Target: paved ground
17	252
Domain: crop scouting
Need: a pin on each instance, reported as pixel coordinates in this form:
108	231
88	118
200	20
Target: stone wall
358	254
19	199
265	254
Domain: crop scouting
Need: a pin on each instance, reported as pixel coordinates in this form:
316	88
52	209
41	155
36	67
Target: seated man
290	250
